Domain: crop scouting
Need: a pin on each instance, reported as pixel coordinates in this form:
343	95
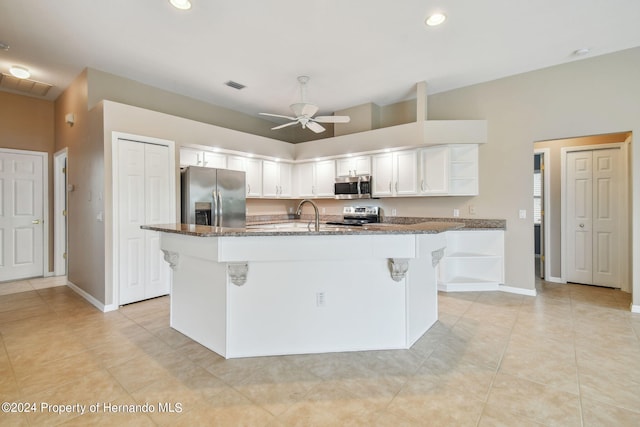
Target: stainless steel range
359	215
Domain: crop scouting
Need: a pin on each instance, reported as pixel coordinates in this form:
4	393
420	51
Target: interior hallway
569	357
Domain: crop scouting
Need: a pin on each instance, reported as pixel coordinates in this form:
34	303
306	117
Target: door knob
581	226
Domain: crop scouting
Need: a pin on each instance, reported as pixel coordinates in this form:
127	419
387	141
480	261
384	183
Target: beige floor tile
535	401
7	288
597	414
498	417
492	359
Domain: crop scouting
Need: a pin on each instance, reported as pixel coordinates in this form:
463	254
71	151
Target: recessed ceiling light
19	72
582	51
435	19
4	46
181	4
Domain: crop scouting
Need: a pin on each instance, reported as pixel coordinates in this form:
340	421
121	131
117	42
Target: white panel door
131	185
382	174
157	211
325	178
406	173
21	215
434	170
593	217
606	218
579	217
144	198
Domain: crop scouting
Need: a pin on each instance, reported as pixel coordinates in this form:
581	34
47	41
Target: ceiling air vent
235	85
32	87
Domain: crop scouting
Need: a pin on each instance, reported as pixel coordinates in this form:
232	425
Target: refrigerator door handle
219	203
214	209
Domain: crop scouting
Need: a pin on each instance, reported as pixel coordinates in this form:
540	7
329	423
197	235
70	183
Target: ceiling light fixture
181	4
19	72
582	51
435	19
4	46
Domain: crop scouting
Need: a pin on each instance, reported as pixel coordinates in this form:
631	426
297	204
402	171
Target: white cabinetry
463	174
209	159
276	179
351	166
434	171
253	173
395	174
473	261
316	179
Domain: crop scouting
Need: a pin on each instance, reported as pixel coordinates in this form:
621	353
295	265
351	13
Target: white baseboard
97	304
635	308
554	280
519	291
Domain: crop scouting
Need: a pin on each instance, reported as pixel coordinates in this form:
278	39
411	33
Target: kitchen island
264	291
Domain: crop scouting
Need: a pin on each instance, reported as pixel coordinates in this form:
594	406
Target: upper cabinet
276	179
315	179
207	159
433	171
395	174
352	166
253	173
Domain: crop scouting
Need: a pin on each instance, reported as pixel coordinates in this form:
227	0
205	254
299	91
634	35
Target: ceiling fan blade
315	127
284	125
332	119
309	110
303	109
277	115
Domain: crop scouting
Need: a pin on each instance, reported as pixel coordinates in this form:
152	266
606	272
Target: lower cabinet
473	261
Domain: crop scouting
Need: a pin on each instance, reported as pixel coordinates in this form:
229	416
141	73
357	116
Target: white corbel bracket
238	273
173	258
436	256
399	267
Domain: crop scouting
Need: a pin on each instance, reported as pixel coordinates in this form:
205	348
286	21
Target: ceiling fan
304	112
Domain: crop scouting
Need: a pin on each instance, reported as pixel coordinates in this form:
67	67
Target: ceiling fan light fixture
19	72
435	19
181	4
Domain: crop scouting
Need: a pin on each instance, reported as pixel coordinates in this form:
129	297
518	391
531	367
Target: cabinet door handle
389	186
248	188
396	186
422	185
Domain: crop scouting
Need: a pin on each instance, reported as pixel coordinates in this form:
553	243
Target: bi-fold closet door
143	198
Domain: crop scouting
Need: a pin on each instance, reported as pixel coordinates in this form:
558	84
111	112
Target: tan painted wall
85	172
588	97
26	123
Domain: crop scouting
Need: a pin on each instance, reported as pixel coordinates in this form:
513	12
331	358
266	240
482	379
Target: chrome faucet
315	208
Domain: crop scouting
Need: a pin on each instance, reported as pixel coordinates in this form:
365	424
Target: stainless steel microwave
353	187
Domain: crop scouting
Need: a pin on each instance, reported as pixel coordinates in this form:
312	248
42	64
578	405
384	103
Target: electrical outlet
324	210
393	212
321	299
523	214
290	209
456	213
472	209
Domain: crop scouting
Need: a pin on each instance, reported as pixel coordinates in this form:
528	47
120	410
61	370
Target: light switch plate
456	213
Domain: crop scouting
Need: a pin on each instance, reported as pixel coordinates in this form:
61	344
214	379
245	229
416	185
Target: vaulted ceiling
355	51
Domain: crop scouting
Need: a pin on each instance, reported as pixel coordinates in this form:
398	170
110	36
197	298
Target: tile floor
569	357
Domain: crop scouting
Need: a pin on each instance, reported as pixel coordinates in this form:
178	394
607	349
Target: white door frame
624	207
45	203
59	219
546	205
115	205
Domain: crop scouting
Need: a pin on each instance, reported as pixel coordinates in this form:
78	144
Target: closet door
157	211
143	198
593	218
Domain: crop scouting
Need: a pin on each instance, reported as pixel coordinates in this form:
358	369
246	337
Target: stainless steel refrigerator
213	197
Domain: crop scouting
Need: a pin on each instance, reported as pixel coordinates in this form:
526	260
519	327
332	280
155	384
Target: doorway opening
554	204
60	213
